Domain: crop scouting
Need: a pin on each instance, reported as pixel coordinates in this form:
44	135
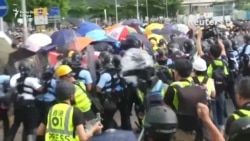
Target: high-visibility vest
82	102
60	124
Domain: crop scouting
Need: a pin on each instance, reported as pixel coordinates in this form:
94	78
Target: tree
78	8
243	4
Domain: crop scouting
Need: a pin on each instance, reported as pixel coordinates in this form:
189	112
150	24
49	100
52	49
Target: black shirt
230	119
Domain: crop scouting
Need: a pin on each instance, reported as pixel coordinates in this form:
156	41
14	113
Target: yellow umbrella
155	40
152	26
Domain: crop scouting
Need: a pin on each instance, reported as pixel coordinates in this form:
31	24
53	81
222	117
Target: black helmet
160	123
188	45
131	43
25	67
48	72
105	57
227	44
178	54
247	38
117	61
172	47
161	57
239	130
66	61
76	59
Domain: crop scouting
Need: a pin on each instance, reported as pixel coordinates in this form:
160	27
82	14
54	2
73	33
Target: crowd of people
178	91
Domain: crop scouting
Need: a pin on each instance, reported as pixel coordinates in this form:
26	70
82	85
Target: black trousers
110	109
28	116
43	109
5	119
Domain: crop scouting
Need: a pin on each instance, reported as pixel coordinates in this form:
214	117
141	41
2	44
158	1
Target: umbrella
98	35
75	21
36	41
109	28
80	43
63	37
153	26
132	22
120	33
182	28
5	50
143	39
115	135
86	27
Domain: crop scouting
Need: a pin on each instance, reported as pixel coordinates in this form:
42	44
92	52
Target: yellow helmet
63	70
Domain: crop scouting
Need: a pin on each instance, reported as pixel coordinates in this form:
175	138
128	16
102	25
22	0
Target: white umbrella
36	41
182	28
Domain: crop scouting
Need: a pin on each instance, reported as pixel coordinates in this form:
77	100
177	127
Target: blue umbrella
63	37
143	39
115	135
100	36
86	27
47	48
132	22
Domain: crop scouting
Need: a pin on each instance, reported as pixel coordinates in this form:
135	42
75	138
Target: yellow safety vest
82	102
60	124
181	84
241	113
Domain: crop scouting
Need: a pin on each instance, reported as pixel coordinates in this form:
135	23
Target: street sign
40	16
3	8
54	11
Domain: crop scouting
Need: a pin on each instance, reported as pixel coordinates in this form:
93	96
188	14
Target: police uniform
113	94
25	111
85	77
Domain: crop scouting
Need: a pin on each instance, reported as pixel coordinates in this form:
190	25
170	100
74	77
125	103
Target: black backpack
165	74
219	76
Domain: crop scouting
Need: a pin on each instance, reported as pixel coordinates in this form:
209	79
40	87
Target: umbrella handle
141	135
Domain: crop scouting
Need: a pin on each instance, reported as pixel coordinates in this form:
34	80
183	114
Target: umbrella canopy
5	50
182	28
86	27
132	22
36	41
121	32
63	37
80	43
153	26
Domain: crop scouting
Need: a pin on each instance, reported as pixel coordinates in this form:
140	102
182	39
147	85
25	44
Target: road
117	117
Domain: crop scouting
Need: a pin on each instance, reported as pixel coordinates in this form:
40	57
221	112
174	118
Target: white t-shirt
29	81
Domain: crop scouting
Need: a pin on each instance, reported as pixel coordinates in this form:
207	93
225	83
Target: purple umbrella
132	22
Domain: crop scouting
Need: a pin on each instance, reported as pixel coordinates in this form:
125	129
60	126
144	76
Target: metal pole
147	9
223	11
167	8
25	26
137	10
105	15
55	27
1	24
116	11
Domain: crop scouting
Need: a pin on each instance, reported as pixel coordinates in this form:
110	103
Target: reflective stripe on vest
82	102
60	123
241	113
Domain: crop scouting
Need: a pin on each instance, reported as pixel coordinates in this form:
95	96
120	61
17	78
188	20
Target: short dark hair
183	67
203	73
243	88
215	51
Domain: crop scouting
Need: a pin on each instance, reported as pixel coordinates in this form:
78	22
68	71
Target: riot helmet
161	57
172	47
76	59
188	46
116	61
131	43
25	67
177	54
48	73
106	58
239	130
247	38
227	44
160	124
66	61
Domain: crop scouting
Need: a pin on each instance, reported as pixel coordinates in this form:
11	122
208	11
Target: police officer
141	72
112	89
4	104
81	99
65	122
25	112
81	74
47	98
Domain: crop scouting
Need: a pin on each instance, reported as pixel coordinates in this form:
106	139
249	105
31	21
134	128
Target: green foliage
78	8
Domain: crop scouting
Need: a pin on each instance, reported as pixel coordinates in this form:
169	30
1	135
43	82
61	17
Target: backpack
164	73
219	76
189	97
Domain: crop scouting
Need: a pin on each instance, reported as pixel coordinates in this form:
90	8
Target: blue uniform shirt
85	77
3	79
157	87
105	81
49	96
247	51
